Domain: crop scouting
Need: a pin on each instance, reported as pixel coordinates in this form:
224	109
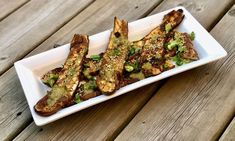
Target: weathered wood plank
9	6
229	134
93	123
200	9
101	122
196	105
30	25
97	17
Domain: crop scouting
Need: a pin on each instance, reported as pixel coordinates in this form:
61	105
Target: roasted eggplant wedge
152	56
180	48
109	78
146	56
62	92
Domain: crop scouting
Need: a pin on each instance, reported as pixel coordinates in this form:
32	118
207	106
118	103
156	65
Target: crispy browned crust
67	81
87	96
112	64
153	49
190	53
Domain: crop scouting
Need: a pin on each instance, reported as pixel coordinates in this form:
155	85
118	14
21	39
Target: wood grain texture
9	6
34	22
113	120
101	122
229	134
97	17
30	25
195	105
203	11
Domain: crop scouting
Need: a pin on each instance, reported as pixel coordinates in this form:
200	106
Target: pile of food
122	63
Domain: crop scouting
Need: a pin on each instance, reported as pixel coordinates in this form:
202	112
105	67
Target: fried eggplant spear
152	56
62	92
146	56
111	72
180	47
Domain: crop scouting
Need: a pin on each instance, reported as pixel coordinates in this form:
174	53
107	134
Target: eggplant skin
111	72
62	93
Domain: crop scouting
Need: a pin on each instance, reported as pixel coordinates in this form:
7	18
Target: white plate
31	69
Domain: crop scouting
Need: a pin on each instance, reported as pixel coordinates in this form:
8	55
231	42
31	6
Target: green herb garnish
91	85
178	60
168	27
129	68
131	51
51	82
165	66
96	57
72	71
181	48
192	36
86	73
77	98
172	44
116	51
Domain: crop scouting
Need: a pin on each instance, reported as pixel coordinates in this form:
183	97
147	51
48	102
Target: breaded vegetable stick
111	71
62	93
152	56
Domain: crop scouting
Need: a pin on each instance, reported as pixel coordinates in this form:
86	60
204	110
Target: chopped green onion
51	82
136	66
129	68
172	44
181	48
96	57
86	73
168	27
192	36
179	63
117	51
131	51
91	85
178	60
53	76
165	66
77	98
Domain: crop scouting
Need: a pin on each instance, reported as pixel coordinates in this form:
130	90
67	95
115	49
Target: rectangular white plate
31	69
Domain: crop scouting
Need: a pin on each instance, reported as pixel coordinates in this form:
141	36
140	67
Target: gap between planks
15	8
229	133
26	32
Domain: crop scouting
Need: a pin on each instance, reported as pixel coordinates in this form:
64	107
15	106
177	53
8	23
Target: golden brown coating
114	58
189	52
62	92
152	57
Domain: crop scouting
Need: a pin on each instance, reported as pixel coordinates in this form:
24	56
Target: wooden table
195	105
